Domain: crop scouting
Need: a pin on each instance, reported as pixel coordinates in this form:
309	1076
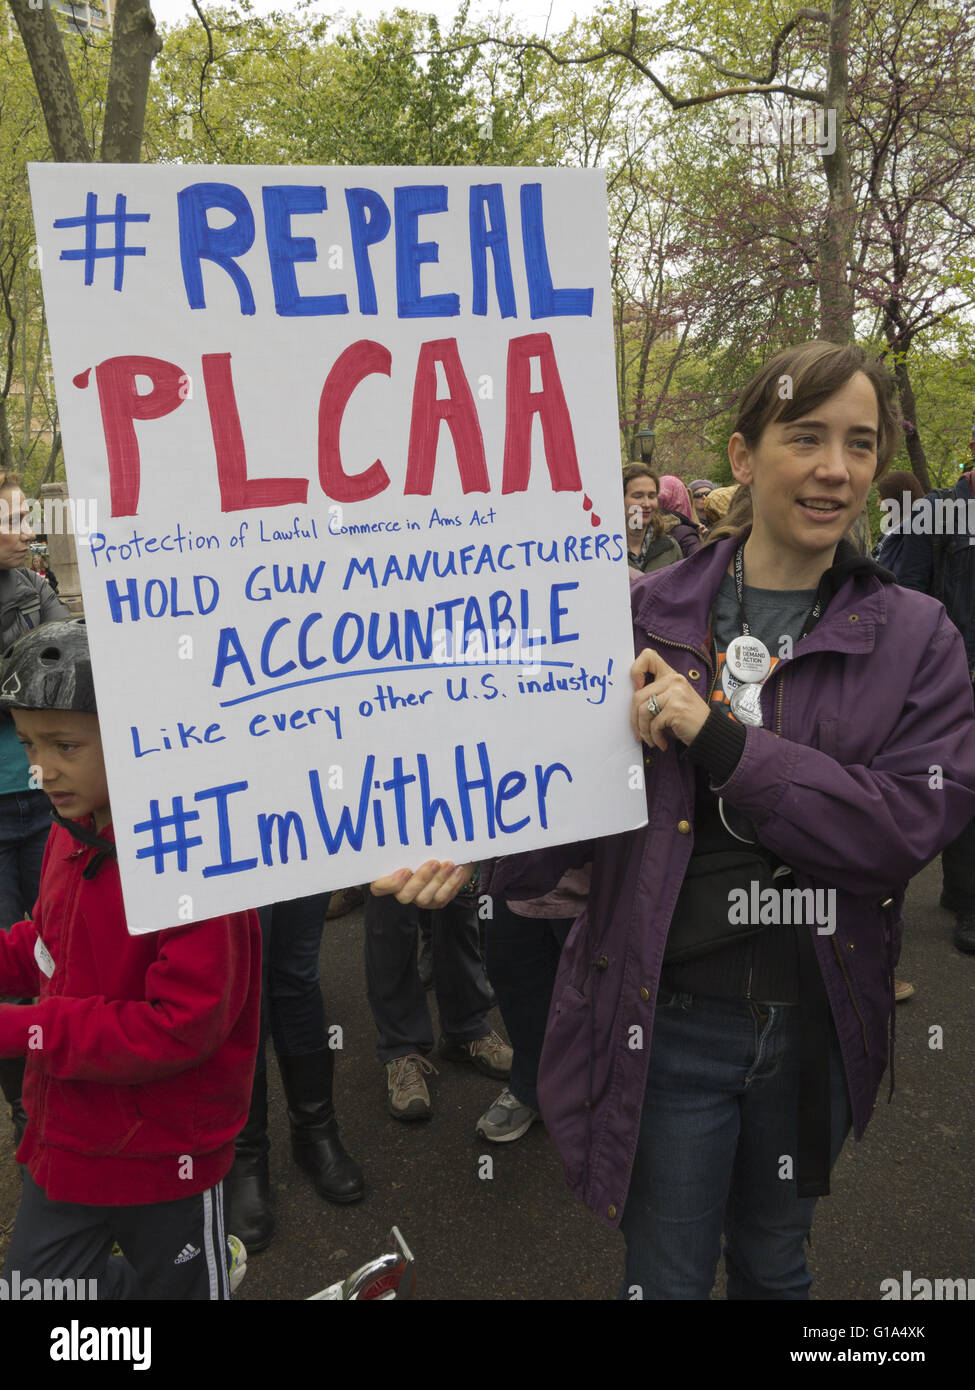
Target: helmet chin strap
106	850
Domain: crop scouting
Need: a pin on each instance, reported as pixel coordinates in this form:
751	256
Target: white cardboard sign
344	444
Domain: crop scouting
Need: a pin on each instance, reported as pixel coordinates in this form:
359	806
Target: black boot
315	1140
250	1215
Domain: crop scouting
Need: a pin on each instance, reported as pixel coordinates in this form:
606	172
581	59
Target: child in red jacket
140	1049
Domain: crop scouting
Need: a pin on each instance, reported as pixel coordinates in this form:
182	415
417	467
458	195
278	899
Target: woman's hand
682	712
434	884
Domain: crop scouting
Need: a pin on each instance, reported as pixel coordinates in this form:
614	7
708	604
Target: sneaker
902	991
237	1263
490	1054
506	1119
409	1098
965	933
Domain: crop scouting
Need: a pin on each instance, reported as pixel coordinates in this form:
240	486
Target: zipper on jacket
778	720
849	987
682	646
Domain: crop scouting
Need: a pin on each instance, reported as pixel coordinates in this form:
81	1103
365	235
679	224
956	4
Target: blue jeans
717	1150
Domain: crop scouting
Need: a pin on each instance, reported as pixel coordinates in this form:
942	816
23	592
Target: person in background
885	553
293	1013
943	565
678	514
523	942
718	502
26	601
648	544
891	542
699	490
399	1006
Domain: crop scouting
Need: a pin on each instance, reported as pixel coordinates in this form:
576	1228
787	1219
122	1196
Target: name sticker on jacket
44	958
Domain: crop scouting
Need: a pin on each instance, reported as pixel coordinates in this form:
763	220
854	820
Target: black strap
815	1125
106	850
812	617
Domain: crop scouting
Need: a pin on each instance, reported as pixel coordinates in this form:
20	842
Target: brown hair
896	484
8	481
719	500
815	370
643	470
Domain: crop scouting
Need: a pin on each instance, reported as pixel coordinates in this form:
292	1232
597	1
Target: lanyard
813	617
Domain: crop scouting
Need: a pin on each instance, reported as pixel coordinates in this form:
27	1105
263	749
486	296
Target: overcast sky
532	14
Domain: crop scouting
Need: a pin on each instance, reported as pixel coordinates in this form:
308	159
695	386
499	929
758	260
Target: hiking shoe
409	1098
237	1263
965	933
506	1119
489	1054
902	991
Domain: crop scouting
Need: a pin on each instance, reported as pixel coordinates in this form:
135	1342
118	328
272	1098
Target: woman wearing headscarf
678	514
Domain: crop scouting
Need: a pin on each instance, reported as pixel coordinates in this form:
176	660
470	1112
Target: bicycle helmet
49	668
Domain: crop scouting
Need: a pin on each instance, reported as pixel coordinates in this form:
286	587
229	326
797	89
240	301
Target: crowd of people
789	696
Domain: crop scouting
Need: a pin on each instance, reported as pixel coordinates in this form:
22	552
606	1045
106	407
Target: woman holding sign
723	1008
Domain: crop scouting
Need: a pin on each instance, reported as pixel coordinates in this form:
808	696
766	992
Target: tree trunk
52	458
6	443
835	291
52	78
134	47
915	449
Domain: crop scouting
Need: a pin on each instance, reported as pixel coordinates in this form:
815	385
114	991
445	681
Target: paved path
904	1199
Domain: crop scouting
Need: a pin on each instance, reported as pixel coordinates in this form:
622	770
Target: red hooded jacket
140	1050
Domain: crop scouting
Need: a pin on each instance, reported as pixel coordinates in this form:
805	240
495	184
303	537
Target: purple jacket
864	771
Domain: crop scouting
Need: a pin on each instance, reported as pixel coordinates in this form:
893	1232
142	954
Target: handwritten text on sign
357	597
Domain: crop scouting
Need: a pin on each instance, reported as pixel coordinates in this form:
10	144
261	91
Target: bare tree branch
208	60
628	53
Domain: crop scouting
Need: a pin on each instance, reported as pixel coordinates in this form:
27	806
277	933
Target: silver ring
653	706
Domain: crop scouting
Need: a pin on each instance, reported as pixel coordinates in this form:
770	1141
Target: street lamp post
644	442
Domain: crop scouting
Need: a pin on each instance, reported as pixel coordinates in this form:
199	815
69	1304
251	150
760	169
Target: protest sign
355	573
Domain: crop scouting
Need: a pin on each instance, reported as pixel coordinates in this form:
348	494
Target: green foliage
714	243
